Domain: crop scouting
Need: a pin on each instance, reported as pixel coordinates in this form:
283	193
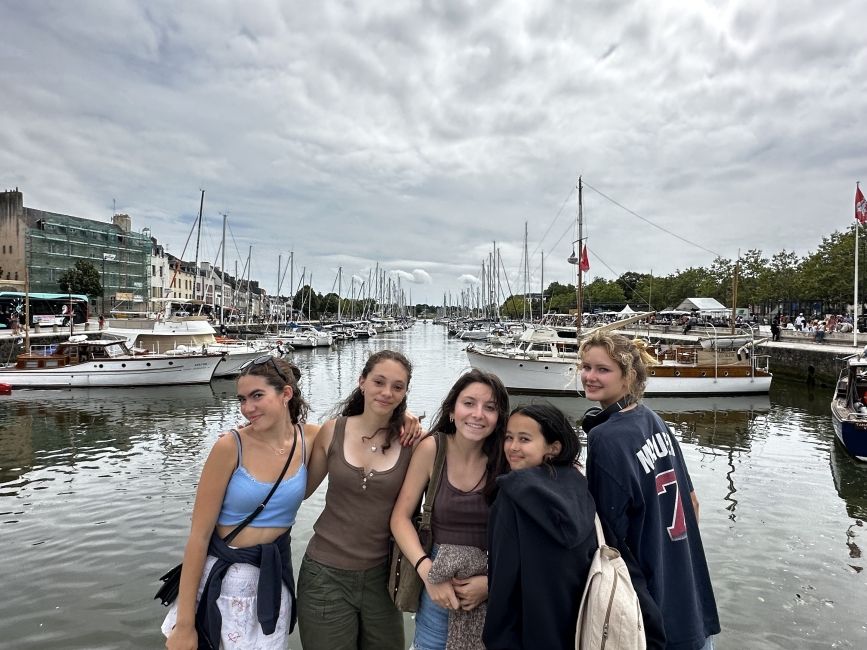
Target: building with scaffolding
40	245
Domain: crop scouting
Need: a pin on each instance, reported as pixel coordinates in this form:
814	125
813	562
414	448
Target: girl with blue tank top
243	596
473	416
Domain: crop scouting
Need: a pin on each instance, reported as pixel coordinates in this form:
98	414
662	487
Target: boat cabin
70	353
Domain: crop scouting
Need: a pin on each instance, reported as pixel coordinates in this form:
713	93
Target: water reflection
850	479
64	428
722	426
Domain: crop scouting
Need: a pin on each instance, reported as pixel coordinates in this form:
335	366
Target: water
96	489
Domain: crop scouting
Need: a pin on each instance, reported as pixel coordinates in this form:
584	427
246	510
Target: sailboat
546	363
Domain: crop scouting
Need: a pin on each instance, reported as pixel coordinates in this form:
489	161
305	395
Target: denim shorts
431	622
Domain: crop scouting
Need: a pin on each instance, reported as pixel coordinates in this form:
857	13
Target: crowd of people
512	492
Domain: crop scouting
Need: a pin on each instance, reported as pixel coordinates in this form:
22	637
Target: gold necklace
279	451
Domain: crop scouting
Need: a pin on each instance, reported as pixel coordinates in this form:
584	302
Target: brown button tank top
353	530
459	517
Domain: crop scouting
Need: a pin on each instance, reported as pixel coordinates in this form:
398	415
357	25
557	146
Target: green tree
82	278
603	294
629	282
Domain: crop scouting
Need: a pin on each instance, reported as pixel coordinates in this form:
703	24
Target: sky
414	135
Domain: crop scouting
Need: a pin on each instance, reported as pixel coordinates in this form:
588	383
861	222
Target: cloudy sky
413	134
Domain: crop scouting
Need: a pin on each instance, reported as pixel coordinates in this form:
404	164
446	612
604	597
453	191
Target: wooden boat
547	364
848	407
80	362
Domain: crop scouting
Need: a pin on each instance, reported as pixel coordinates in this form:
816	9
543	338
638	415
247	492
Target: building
46	244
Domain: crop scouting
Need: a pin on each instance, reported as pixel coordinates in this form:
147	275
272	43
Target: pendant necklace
371	440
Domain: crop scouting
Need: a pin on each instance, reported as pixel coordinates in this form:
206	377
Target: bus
45	308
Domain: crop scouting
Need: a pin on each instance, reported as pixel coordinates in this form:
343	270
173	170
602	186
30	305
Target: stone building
47	243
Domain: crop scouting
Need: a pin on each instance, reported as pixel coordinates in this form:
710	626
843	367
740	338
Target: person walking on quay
541	535
473	419
643	492
775	328
342	584
236	588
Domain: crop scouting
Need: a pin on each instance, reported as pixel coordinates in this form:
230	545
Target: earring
451	418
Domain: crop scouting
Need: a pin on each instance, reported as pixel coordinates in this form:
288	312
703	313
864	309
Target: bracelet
420	560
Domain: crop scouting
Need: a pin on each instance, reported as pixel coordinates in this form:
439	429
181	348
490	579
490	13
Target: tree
83	278
604	294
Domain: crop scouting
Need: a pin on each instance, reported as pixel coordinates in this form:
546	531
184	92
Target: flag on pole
860	206
585	261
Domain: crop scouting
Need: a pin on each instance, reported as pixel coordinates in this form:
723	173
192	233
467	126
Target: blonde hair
630	355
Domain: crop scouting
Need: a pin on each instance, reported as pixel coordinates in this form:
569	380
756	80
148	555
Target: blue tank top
244	493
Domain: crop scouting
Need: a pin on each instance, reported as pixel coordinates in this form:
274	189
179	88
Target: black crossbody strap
433	485
228	538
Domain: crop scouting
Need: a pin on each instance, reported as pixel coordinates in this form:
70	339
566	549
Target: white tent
702	304
627	310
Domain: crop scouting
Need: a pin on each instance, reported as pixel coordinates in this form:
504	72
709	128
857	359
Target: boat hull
553	376
850	430
119	372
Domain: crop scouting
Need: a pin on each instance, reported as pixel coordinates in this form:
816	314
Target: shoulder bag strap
228	538
431	492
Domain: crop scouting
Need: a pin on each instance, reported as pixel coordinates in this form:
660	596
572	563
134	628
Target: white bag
610	615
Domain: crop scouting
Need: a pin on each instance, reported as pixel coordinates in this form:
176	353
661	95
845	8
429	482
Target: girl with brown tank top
474	416
343	599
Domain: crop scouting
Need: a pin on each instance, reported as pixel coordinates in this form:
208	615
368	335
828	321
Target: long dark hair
492	446
280	373
354	404
555	427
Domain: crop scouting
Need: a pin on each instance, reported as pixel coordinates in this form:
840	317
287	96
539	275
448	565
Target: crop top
244	493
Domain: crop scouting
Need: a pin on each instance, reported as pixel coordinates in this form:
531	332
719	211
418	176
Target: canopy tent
702	304
627	310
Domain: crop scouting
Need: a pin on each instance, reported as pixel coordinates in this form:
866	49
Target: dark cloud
414	134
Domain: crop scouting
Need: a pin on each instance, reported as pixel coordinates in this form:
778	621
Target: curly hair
280	373
354	404
630	355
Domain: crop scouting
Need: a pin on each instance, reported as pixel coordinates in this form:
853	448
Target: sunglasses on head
258	361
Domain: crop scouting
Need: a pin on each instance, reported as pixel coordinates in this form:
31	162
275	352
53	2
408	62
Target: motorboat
186	336
849	406
81	362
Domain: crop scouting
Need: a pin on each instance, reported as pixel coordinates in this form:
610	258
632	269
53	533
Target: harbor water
96	489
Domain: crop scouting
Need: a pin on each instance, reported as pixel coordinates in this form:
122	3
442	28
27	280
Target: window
153	270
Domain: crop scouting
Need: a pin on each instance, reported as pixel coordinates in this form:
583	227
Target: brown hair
492	447
354	404
280	373
630	355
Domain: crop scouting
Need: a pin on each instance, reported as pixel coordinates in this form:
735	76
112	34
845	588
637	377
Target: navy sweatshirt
639	480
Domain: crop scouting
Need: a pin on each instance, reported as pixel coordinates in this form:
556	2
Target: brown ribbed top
459	517
353	530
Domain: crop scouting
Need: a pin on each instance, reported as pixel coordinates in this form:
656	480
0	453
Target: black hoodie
541	539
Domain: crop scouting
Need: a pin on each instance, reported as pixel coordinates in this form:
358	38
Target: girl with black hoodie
541	535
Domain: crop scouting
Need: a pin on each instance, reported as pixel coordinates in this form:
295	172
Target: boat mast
735	293
855	299
576	259
198	238
223	277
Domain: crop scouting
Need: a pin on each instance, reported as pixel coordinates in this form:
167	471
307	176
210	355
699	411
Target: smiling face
263	405
525	445
475	413
602	378
384	387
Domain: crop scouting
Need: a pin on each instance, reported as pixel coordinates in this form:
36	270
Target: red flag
860	206
585	261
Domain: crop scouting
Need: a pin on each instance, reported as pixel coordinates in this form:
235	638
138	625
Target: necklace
280	451
371	439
